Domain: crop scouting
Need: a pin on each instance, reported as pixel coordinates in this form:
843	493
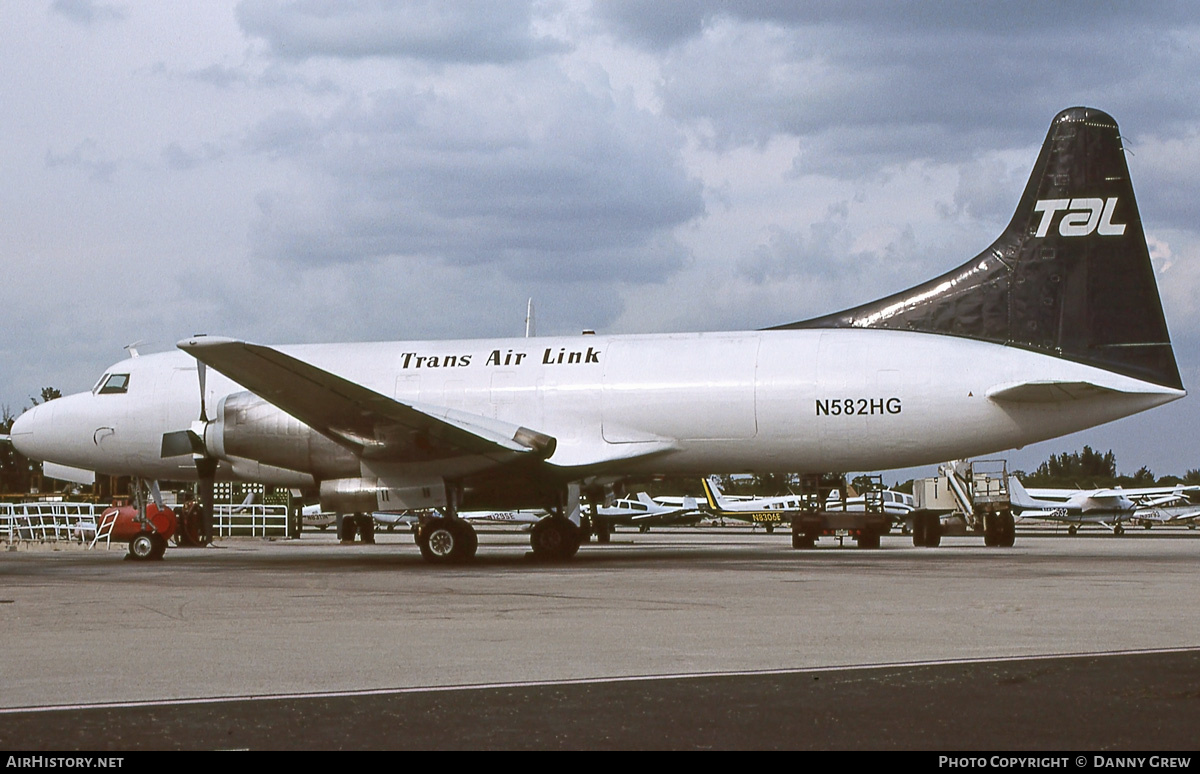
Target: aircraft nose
25	427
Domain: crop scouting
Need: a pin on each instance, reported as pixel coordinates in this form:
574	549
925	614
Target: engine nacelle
366	495
249	427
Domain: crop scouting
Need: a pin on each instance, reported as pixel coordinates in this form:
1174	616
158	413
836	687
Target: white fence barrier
45	522
250	520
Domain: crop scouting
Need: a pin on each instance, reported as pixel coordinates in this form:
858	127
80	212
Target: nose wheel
146	546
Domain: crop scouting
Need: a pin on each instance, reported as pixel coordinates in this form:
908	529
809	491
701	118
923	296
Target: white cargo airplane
1105	507
1055	327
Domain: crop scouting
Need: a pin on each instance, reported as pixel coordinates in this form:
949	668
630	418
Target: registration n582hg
833	407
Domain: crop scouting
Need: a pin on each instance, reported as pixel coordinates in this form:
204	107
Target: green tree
48	394
1144	477
1087	469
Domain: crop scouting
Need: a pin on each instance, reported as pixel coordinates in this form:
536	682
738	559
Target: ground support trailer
830	516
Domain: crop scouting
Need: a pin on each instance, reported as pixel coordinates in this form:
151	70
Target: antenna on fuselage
529	320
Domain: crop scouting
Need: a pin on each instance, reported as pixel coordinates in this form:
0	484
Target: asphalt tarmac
680	639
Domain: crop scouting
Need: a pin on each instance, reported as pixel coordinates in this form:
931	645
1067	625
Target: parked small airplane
1185	511
1109	508
767	511
529	517
1055	327
643	511
898	505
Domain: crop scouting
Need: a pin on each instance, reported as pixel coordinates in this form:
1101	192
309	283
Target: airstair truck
969	497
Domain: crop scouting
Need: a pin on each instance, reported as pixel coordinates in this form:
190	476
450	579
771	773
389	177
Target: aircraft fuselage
696	403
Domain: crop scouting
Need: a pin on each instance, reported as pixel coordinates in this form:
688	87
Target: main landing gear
360	525
447	539
556	538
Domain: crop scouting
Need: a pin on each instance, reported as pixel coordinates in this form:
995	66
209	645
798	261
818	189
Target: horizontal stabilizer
1047	392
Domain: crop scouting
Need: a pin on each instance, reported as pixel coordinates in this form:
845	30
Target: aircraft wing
1176	491
1166	499
374	425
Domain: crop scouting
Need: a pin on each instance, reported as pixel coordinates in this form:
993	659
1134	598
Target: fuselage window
116	383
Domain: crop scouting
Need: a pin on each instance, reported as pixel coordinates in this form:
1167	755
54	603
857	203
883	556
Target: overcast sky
325	171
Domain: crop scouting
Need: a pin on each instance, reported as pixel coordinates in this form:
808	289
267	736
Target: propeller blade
206	470
202	374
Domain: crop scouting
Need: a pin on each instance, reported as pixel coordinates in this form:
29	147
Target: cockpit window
115	383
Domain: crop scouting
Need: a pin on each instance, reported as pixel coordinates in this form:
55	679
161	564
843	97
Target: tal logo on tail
1080	217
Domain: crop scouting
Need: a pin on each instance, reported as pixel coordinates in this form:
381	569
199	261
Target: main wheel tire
443	540
554	539
437	540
